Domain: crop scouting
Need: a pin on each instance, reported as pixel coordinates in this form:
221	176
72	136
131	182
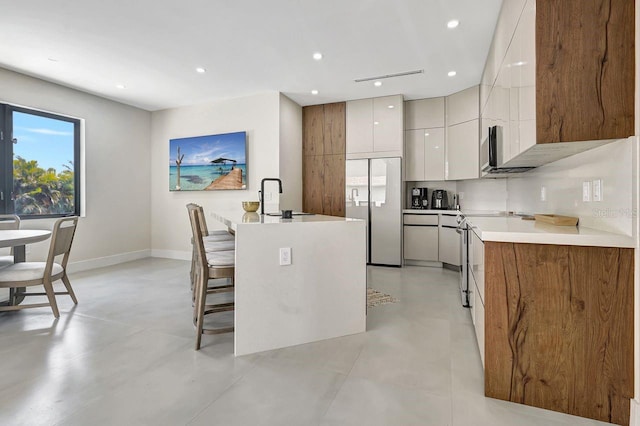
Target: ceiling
153	47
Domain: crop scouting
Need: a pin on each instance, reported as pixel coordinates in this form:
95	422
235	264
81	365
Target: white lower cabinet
478	324
449	240
421	242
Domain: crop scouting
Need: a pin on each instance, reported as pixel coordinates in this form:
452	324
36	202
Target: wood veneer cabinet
559	328
323	165
585	70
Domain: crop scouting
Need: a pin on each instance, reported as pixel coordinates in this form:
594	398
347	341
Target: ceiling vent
380	77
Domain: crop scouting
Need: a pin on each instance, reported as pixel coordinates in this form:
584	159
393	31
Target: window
40	163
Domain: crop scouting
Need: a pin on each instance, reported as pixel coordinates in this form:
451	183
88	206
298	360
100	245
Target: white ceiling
247	46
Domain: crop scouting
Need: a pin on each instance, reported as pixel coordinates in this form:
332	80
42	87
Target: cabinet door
477	262
421	243
463	148
313	125
334	186
313	184
424	113
449	246
463	106
360	126
434	148
414	156
388	124
334	128
479	324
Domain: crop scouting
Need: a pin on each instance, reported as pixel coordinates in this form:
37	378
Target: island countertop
232	218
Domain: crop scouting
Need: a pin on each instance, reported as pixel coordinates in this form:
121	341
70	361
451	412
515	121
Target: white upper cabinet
463	106
375	127
388	125
414	155
462	158
424	114
463	151
424	154
359	126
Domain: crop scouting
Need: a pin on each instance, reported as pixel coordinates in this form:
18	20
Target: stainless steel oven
463	231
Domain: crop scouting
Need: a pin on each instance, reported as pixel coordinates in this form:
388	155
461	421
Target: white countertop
515	230
418	211
232	218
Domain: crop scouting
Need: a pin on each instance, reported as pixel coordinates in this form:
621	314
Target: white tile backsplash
483	194
562	180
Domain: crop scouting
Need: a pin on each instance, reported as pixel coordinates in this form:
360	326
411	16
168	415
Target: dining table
18	239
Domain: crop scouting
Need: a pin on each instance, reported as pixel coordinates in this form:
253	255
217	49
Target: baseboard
171	254
100	262
423	263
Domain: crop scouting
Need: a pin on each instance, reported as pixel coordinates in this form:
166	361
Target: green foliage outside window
40	191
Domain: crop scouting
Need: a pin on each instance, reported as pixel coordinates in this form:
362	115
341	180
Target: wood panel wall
323	165
559	328
585	70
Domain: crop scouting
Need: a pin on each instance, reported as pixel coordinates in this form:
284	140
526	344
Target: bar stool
212	265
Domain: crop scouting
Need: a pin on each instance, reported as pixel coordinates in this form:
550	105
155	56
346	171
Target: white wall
291	153
258	115
116	226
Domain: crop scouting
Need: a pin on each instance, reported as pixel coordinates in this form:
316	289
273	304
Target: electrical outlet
460	195
597	190
586	191
285	256
268	196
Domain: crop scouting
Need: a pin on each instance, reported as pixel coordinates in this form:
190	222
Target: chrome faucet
262	191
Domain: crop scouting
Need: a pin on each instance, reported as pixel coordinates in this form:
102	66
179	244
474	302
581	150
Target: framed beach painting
208	163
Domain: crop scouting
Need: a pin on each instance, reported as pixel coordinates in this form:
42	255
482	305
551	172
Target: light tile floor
124	356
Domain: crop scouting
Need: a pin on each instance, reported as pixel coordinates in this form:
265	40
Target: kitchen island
320	295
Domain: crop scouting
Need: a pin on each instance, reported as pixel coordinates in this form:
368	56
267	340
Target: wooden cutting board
556	219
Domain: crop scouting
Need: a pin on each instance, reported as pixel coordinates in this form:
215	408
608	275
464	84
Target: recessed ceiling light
201	70
317	56
453	23
377	83
427	134
376	122
314	92
120	86
451	73
391	106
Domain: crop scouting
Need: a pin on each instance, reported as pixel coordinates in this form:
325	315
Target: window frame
7	202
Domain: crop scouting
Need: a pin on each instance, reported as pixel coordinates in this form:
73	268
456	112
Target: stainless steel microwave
491	155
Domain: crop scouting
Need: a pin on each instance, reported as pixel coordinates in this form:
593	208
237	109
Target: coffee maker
419	198
439	199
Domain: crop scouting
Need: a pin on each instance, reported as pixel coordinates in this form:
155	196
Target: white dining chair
8	222
27	274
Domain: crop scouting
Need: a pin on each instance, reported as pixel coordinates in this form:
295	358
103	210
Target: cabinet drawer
448	220
421	219
421	243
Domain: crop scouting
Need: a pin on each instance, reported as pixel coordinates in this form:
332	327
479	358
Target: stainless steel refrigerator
374	193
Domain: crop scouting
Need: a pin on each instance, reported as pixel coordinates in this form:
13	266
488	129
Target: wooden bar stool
212	265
